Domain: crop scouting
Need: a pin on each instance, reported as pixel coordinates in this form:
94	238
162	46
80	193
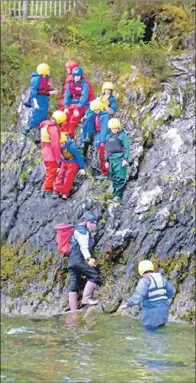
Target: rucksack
27	100
64	232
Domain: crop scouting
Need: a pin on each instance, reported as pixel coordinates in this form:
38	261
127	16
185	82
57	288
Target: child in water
153	292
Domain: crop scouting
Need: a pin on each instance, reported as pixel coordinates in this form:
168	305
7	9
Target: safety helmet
107	85
114	123
77	71
63	137
43	69
96	105
59	116
145	266
91	217
71	64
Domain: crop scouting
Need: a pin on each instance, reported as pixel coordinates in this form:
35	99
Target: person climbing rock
80	262
51	153
40	90
117	155
109	102
153	292
97	125
71	162
108	99
75	102
70	65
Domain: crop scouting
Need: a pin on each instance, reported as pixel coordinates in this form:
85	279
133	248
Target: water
91	348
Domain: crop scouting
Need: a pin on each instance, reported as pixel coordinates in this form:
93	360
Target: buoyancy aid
65	152
45	137
44	87
114	145
97	123
157	290
75	89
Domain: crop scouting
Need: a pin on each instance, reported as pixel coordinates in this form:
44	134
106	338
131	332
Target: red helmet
70	65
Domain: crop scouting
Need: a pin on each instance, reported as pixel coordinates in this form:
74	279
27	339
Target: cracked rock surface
156	218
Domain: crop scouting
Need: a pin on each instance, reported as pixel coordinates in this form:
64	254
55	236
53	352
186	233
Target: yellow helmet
63	137
107	85
114	123
43	69
145	266
96	105
59	116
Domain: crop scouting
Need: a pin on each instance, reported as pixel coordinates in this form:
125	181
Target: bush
131	30
97	26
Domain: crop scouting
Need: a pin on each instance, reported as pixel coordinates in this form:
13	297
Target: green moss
172	217
23	176
189	316
174	108
102	196
150	211
20	269
180	264
150	231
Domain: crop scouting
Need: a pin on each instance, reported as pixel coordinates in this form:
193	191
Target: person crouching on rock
153	292
80	262
51	152
70	163
117	155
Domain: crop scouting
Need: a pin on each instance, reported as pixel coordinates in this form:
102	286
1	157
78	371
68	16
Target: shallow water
91	348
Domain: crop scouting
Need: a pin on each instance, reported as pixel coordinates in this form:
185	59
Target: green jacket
124	141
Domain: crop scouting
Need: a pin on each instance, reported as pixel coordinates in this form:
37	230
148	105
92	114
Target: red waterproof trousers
101	151
71	123
50	176
65	177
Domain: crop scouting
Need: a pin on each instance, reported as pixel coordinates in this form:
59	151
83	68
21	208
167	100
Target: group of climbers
62	157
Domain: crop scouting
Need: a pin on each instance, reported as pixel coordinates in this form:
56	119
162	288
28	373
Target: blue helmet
91	217
78	71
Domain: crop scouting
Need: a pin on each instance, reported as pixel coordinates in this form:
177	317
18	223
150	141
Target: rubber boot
87	294
73	300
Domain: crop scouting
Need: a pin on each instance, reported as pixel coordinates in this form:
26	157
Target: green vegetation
99	37
18	269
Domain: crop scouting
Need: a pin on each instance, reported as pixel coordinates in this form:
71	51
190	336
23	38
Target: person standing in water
153	292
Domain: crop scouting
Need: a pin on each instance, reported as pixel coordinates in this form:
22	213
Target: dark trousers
118	175
78	269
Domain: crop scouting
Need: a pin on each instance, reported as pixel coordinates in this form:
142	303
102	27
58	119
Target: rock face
156	218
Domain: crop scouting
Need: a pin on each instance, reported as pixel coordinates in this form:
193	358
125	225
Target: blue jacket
83	101
154	312
89	126
41	114
112	102
73	149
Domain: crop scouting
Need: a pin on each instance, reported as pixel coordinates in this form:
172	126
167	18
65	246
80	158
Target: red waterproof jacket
50	141
68	79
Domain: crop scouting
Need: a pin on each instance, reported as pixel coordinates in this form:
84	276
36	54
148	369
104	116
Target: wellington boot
73	301
87	294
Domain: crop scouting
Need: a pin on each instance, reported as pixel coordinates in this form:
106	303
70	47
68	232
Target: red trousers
101	151
71	123
50	176
65	177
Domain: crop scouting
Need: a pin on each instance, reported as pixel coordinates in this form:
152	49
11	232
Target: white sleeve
83	241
